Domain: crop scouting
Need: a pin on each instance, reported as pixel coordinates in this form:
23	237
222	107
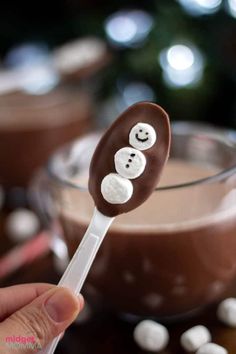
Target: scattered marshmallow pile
154	337
198	339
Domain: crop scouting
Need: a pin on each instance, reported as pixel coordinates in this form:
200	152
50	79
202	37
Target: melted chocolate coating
117	137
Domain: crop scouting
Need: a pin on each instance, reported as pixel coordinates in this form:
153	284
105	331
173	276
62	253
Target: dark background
56	22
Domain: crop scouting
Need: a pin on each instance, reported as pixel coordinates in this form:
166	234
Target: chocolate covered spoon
124	171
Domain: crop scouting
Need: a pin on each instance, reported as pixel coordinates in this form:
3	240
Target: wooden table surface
105	333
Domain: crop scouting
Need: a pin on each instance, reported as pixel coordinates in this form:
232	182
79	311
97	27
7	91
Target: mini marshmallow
212	348
151	336
194	338
142	136
22	224
227	312
129	163
116	189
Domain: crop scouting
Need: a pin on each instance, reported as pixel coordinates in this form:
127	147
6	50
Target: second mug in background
32	126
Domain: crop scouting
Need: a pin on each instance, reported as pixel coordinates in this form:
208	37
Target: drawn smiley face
142	136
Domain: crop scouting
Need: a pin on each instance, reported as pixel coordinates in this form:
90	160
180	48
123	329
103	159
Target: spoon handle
80	264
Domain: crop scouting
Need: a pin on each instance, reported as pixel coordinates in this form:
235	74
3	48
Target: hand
31	315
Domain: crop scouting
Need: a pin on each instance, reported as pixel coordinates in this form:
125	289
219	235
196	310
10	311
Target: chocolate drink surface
174	254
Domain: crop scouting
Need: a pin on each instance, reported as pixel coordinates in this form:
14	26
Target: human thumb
36	324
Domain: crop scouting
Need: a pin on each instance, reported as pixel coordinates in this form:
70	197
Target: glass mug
177	252
33	126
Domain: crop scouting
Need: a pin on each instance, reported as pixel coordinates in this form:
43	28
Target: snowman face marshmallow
129	163
142	136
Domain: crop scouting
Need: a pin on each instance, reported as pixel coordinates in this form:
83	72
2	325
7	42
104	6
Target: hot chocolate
32	126
171	255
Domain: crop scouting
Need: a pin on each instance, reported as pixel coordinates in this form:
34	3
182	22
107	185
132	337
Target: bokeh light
31	67
8	81
182	65
200	7
128	92
26	54
180	57
231	7
128	28
38	80
133	92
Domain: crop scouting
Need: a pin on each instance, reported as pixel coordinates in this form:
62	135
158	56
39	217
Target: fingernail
62	306
81	301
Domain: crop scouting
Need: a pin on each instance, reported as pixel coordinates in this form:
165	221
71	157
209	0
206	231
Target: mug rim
223	135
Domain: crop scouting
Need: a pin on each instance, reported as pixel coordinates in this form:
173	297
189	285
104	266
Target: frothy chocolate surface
116	138
173	254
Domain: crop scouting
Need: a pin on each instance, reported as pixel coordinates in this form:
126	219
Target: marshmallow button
212	348
116	189
129	163
194	338
227	312
142	136
151	336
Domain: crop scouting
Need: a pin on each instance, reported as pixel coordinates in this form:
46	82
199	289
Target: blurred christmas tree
180	53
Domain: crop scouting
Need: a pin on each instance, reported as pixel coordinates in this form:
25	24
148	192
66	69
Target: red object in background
25	254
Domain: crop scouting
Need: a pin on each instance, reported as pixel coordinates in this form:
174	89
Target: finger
17	296
43	319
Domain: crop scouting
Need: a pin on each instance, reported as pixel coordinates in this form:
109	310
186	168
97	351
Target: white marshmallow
194	338
21	224
142	136
129	163
212	348
227	312
116	189
151	336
